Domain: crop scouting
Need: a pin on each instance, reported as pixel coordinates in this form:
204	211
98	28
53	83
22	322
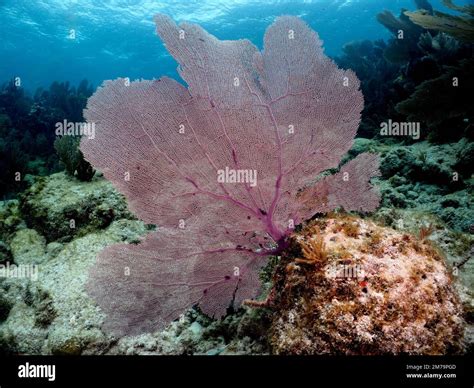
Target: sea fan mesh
287	113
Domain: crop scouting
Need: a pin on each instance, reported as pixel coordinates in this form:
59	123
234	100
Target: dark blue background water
117	37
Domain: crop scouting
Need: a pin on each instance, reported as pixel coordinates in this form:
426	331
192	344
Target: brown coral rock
379	292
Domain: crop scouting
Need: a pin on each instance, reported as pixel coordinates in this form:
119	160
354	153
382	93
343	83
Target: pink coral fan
225	167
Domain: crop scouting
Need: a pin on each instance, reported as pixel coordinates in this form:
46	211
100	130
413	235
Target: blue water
117	38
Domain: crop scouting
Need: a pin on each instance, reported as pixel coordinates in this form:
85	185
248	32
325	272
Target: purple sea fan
225	167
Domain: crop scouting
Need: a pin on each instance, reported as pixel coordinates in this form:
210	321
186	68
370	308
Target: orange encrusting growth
377	292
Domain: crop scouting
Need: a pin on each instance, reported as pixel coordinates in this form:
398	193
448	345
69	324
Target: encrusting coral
377	292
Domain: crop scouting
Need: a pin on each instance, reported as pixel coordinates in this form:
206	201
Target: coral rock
61	207
379	292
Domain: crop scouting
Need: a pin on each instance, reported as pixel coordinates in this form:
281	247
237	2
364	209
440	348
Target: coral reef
402	75
440	47
28	247
62	207
366	59
71	156
451	108
459	26
60	223
27	131
54	315
403	46
431	178
378	291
